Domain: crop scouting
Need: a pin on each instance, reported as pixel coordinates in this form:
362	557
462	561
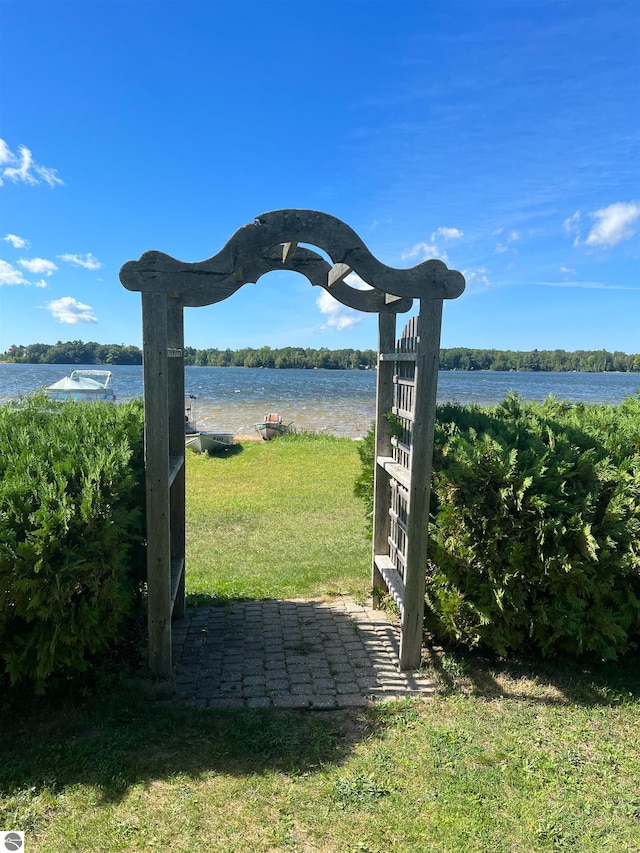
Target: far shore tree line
457	358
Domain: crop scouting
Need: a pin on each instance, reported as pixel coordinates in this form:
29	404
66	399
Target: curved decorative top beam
314	268
270	242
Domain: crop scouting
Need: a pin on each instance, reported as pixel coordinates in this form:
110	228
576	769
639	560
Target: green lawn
524	756
277	519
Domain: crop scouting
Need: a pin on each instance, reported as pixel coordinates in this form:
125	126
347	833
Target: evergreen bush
534	540
71	533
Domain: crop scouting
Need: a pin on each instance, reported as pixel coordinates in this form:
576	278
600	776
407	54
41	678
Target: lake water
339	402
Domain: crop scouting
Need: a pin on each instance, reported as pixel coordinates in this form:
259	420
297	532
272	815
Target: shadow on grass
141	733
224	451
138	730
585	681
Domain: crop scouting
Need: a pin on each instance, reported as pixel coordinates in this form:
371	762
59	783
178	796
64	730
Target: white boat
83	385
198	440
272	426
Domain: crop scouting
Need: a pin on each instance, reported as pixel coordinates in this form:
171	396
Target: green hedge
534	540
71	533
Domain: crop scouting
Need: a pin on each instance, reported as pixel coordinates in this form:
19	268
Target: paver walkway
295	653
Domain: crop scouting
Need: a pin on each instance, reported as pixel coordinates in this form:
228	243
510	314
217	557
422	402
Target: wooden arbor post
407	389
402	478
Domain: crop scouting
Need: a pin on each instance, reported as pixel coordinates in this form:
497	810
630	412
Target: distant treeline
458	358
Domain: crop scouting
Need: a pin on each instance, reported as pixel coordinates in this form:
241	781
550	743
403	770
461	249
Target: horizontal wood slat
398	472
175	464
397	356
395	442
402	413
401	524
391	576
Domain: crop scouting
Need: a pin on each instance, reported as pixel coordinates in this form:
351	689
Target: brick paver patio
316	654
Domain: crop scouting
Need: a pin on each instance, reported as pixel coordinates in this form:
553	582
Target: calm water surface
339	402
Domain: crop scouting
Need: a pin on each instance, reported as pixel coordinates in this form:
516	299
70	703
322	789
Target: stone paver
295	653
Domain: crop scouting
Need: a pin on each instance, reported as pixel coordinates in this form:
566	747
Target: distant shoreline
71	365
456	359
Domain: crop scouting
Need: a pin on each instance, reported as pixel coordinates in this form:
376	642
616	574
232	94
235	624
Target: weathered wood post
426	385
156	448
175	373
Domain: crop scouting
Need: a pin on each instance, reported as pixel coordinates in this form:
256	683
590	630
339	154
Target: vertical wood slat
175	402
426	386
384	403
156	428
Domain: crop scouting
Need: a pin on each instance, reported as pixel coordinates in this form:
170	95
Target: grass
518	756
276	520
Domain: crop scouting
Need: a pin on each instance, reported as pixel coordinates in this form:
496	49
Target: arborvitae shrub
534	541
71	533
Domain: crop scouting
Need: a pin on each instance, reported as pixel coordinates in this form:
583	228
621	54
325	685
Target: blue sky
500	136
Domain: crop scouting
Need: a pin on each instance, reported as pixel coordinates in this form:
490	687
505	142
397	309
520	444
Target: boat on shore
272	426
83	385
201	441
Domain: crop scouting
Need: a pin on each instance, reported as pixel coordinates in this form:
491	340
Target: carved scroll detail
271	243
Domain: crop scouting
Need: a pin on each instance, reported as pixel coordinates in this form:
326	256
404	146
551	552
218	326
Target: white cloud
69	310
5	155
88	261
614	224
16	242
38	265
447	233
10	275
41	283
339	316
22	168
567	270
426	251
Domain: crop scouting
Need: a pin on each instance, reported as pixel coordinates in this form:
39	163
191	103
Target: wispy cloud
88	261
22	168
477	279
16	242
426	250
612	225
504	245
70	311
38	265
423	251
587	285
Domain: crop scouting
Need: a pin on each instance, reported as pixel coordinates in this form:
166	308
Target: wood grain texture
268	243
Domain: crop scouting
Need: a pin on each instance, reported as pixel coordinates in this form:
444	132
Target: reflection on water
233	399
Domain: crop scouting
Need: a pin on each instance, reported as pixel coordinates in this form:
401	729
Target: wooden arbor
406	386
